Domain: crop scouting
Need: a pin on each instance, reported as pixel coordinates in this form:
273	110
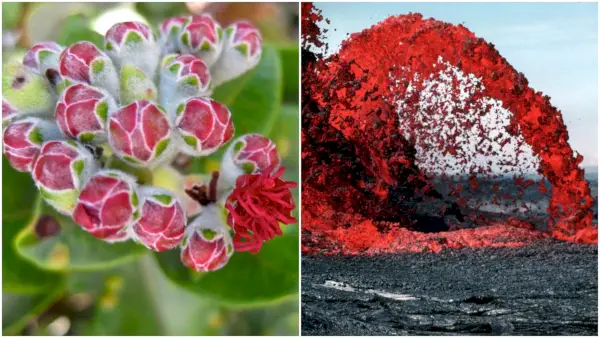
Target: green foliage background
125	289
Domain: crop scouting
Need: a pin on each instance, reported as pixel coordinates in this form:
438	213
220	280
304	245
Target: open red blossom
258	203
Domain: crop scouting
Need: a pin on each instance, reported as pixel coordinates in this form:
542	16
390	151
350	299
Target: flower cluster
70	112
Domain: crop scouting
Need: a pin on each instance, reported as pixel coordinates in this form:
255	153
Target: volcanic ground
549	288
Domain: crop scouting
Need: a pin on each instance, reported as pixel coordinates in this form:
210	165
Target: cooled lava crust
546	288
371	140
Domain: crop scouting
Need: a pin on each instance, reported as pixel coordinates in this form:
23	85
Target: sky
554	44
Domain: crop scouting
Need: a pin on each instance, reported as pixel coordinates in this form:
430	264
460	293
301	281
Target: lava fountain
419	136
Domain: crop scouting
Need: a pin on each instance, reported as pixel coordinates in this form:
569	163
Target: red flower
258	203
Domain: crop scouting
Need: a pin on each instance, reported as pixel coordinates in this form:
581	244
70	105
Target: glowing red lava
414	121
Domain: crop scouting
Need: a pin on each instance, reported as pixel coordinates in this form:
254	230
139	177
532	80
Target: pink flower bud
207	244
81	112
242	49
8	111
162	221
108	205
169	33
203	37
132	43
60	170
248	154
256	154
83	62
43	56
204	124
182	77
23	140
140	133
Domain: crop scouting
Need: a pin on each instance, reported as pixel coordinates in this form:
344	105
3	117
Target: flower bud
204	125
24	93
108	205
169	34
133	43
23	140
242	49
182	77
202	36
257	206
60	170
136	85
83	62
81	112
8	111
43	56
207	244
248	154
162	221
140	133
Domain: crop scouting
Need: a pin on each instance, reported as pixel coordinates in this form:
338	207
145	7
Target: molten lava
417	135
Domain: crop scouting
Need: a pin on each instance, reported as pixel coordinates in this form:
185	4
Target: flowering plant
103	130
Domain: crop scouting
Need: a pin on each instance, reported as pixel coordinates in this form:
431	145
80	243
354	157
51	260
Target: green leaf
77	28
155	12
278	320
290	61
73	249
286	136
11	14
254	100
20	309
137	299
18	207
268	277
